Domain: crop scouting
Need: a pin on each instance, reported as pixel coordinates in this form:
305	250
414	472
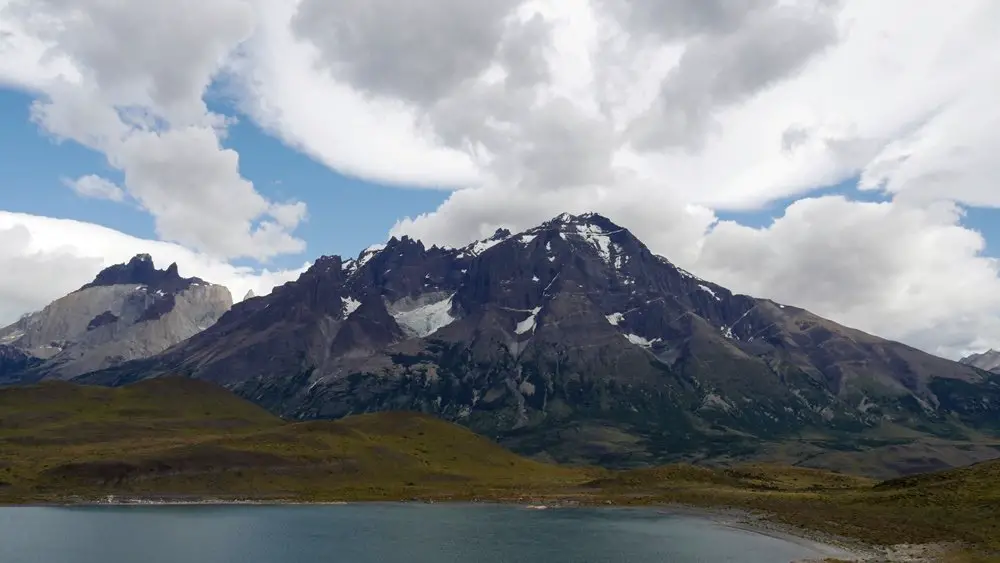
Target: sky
838	155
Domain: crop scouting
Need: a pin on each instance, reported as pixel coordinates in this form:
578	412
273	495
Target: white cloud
418	52
24	59
95	187
137	96
159	56
909	272
288	93
659	217
712	92
721	69
656	112
52	257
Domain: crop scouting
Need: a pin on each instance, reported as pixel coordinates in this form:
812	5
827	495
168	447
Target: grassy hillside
954	506
180	438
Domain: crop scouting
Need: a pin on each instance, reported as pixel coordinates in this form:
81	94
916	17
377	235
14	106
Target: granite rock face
989	361
572	341
129	311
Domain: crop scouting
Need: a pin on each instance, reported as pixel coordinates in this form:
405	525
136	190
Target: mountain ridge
989	360
572	341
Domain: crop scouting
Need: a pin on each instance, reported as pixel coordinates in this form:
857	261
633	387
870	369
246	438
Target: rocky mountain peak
140	270
989	360
589	237
569	218
131	310
500	234
404	245
325	266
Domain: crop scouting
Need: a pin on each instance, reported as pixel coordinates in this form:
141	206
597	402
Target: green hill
180	438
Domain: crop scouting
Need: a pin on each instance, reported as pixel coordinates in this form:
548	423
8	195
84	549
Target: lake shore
828	547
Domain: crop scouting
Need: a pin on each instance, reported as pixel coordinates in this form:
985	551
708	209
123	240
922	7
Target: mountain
129	311
572	341
989	361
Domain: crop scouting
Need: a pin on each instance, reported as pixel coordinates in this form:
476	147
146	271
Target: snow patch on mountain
427	319
482	246
528	324
368	254
615	318
597	238
709	291
640	341
350	305
727	331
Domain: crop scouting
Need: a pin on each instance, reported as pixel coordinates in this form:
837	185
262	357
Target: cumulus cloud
909	272
96	187
52	257
659	113
718	70
137	96
766	100
677	19
419	52
290	92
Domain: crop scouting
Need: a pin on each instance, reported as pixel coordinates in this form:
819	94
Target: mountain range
573	342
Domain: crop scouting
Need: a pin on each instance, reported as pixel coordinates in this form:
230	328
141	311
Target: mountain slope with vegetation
180	438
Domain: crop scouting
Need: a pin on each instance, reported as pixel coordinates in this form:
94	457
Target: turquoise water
382	533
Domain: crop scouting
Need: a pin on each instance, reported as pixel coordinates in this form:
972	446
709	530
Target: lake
383	533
